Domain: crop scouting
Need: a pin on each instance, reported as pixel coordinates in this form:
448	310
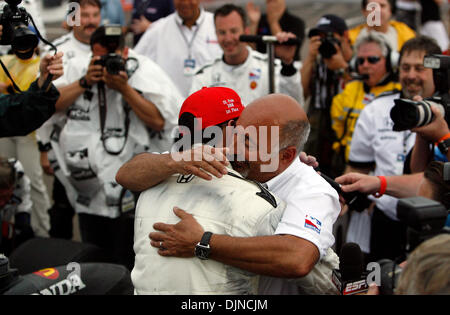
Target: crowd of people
250	217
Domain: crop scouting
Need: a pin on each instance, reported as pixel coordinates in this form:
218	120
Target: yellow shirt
347	106
23	72
404	33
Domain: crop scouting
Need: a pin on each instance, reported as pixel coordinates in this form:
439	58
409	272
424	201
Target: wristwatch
83	83
202	249
444	145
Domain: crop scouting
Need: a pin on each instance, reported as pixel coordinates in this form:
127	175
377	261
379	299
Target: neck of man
191	21
237	59
383	28
81	38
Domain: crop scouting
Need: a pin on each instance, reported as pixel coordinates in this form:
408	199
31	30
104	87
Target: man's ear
288	154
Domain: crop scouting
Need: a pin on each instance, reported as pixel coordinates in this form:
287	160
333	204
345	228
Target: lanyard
189	43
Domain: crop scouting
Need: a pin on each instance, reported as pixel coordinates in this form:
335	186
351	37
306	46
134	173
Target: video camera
425	219
15	28
408	114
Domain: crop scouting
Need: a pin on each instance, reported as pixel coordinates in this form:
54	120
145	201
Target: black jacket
23	113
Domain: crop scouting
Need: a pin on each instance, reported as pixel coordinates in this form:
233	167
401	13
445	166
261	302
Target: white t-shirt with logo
374	141
312	208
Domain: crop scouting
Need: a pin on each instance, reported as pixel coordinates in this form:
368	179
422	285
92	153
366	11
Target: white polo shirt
249	79
374	141
171	45
312	207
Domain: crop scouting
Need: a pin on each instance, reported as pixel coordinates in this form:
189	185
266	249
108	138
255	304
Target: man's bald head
283	111
276	149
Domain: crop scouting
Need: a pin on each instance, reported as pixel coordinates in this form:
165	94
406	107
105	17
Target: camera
113	63
15	28
327	48
425	219
408	114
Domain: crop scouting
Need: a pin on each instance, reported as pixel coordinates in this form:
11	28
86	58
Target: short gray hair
295	133
376	38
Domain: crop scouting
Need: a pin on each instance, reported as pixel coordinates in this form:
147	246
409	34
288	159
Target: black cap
329	23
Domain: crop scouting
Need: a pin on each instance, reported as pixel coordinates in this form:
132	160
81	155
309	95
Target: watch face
202	251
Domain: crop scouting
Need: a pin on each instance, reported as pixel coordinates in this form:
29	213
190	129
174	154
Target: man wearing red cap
301	245
154	274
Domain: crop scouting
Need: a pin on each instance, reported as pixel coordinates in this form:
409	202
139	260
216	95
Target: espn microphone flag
351	278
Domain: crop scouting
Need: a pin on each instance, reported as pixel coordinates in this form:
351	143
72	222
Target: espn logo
355	287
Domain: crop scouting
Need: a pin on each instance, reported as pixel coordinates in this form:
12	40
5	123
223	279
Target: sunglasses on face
371	59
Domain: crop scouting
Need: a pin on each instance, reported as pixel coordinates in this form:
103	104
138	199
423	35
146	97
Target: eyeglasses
371	59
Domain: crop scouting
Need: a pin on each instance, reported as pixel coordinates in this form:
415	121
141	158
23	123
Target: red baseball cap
214	105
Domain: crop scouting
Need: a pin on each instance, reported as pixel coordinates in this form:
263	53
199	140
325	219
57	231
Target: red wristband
447	136
383	186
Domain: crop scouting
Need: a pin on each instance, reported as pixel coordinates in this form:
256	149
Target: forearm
421	155
403	186
69	94
144	109
145	171
275	27
277	255
306	74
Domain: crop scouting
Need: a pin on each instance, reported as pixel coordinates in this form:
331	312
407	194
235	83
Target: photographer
118	105
323	76
377	146
429	141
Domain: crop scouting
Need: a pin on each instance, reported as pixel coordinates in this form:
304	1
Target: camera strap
103	113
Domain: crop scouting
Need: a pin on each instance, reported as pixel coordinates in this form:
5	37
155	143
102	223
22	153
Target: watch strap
83	83
444	145
205	238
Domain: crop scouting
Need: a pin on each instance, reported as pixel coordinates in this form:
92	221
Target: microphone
264	39
350	279
360	77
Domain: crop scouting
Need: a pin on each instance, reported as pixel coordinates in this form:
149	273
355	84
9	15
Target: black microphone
264	39
351	277
360	77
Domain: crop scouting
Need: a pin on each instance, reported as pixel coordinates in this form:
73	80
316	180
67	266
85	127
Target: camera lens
327	49
407	114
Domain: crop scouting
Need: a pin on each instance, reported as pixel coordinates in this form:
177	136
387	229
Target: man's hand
177	240
337	61
200	161
253	13
285	52
434	130
308	159
359	182
45	164
118	82
95	72
51	64
313	49
274	10
140	25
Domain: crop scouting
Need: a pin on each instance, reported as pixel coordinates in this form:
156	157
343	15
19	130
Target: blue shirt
112	12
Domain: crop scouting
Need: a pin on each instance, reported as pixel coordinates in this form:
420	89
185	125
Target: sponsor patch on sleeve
313	224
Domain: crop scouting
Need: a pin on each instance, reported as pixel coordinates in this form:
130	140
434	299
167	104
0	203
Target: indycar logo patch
313	224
